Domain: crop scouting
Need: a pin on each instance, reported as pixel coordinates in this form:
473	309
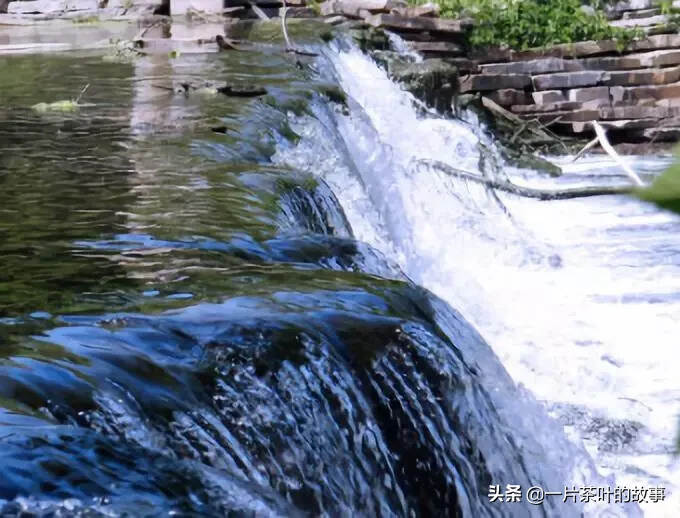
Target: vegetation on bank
523	24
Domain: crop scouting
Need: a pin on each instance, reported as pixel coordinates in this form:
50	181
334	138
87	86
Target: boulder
569	79
434	81
489	82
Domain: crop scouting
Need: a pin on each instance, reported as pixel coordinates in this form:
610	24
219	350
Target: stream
271	306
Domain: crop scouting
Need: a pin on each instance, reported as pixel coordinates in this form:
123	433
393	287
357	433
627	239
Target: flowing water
214	305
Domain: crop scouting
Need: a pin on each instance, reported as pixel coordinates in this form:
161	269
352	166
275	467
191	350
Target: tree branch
529	192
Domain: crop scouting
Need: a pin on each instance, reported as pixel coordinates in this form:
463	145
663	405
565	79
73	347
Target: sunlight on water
580	299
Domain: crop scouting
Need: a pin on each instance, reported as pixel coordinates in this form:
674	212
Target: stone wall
633	92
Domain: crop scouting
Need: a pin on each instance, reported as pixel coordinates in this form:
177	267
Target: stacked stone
634	92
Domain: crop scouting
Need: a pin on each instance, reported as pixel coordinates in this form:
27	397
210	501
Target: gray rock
489	82
434	81
509	97
655	76
600	93
548	96
535	66
402	23
569	79
437	48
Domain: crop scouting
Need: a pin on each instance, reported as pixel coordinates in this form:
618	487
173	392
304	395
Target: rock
657	58
663	134
626	125
437	48
600	93
563	116
569	79
632	5
550	107
548	96
631	95
391	61
37	7
642	13
509	97
662	41
402	23
574	50
535	66
354	8
643	77
434	81
636	112
427	10
640	22
487	82
463	65
590	11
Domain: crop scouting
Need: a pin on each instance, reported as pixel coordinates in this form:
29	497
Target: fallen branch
259	12
602	137
589	145
289	46
529	192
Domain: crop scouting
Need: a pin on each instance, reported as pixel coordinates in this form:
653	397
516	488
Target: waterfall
546	283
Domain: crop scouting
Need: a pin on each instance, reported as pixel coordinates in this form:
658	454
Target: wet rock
371	39
434	81
488	82
391	61
509	97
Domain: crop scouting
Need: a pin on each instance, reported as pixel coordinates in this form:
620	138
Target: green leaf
665	190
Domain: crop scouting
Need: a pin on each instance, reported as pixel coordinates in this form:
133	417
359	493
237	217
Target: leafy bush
523	24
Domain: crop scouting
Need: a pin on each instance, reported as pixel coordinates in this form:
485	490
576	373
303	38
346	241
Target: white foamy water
580	299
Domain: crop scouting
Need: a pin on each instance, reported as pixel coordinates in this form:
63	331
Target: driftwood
289	46
227	44
602	137
528	192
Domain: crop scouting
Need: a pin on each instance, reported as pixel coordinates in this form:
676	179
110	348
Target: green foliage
523	24
665	190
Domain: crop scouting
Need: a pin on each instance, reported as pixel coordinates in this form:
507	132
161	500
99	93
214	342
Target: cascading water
189	329
578	298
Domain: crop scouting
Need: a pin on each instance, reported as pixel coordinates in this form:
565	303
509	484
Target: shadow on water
187	327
